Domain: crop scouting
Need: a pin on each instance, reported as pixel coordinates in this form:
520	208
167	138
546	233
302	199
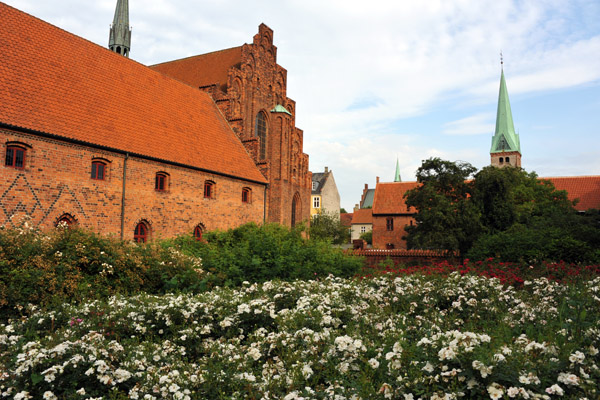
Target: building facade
324	195
250	88
84	140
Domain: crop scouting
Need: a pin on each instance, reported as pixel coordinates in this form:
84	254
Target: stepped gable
202	70
57	83
584	188
389	198
363	216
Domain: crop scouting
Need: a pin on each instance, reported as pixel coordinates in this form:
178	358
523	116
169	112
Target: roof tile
389	197
584	188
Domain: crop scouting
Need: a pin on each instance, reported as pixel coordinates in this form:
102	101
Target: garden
89	317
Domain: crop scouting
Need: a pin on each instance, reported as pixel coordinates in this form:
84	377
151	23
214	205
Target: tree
343	211
328	227
446	218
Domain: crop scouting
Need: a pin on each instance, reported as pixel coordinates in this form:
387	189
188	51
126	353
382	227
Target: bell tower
506	146
119	38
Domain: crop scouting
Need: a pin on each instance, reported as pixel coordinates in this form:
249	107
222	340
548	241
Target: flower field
388	337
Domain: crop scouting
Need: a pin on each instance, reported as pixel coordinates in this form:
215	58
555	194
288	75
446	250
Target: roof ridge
195	56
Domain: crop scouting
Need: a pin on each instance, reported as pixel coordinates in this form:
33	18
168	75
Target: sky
380	81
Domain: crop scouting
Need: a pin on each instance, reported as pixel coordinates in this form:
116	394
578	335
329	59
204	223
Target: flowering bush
406	337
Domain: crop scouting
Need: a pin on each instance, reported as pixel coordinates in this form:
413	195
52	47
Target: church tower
119	38
506	147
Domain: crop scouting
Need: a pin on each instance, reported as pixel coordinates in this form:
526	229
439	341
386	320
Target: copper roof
389	198
54	82
584	188
204	69
363	216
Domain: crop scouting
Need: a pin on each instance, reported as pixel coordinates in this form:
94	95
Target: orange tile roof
389	197
58	83
584	188
204	69
346	219
363	216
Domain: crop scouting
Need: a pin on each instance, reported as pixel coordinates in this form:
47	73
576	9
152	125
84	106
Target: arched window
15	157
209	190
507	159
260	129
160	182
501	160
198	232
98	170
246	195
140	235
66	221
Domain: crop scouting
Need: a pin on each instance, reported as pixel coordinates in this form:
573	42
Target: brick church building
89	136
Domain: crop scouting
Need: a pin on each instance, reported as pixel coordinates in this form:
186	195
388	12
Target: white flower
81	391
577	357
254	353
568	379
555	389
428	367
374	363
495	391
307	371
49	396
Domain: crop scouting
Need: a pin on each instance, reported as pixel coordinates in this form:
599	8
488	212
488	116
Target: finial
501	60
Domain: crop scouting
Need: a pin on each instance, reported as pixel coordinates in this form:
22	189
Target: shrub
260	253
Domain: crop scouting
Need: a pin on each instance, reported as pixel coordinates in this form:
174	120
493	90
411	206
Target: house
362	222
324	196
89	136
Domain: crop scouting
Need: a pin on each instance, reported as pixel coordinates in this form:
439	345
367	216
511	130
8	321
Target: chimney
356	207
377	180
326	170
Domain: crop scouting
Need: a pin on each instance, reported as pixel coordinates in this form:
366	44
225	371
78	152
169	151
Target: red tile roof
363	216
58	83
204	69
584	188
346	219
389	197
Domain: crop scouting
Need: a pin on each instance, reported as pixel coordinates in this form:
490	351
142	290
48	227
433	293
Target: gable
389	198
59	84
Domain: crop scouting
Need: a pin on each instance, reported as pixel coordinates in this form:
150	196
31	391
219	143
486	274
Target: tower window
209	190
260	129
140	235
246	195
389	224
15	157
507	159
501	160
98	170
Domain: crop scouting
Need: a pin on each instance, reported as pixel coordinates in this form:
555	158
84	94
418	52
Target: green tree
446	217
328	227
367	237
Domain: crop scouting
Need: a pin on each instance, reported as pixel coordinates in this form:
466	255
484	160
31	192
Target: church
89	136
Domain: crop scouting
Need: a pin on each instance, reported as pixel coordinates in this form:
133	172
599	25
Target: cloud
474	125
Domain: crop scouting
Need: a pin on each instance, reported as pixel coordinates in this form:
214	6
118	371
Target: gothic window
198	232
209	190
98	170
260	130
15	157
160	182
389	224
246	195
140	235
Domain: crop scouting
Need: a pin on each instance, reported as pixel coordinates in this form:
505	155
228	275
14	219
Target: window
260	130
314	185
246	195
316	202
209	190
507	159
65	221
198	232
15	157
363	229
389	246
98	170
389	224
140	235
160	182
501	160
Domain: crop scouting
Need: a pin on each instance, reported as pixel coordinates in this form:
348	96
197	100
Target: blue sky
384	79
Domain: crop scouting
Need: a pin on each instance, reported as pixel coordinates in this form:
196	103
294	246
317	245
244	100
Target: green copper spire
119	39
397	176
505	138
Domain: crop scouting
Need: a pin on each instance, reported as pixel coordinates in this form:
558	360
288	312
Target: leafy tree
328	227
367	237
343	211
446	217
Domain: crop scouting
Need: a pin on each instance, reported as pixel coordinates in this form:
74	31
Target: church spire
119	39
397	176
506	146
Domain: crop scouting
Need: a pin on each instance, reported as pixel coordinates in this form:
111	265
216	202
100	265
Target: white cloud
474	125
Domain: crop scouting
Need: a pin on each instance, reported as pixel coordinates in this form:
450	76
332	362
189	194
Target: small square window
98	170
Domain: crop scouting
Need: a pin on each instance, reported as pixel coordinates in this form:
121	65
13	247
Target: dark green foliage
446	217
367	237
328	227
259	253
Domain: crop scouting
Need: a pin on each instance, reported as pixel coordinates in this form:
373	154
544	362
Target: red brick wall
56	180
382	237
